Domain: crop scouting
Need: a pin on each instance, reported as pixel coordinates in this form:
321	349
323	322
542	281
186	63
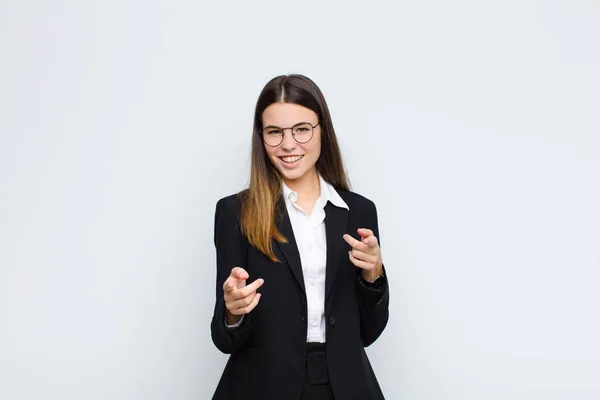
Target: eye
302	129
273	131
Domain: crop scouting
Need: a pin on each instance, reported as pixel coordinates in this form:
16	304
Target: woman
301	288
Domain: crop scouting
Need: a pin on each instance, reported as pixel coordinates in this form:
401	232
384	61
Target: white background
473	125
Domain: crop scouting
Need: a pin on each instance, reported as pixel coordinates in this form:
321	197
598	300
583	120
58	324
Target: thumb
364	232
240	275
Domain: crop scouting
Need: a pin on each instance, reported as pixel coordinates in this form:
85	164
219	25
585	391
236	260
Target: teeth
291	159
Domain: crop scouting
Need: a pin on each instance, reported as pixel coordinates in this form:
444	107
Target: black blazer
268	349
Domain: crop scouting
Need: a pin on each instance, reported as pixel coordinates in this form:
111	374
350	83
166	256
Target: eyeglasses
301	132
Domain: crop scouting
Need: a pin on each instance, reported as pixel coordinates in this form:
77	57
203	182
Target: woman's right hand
239	298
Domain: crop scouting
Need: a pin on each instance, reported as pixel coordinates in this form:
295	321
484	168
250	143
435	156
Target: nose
288	143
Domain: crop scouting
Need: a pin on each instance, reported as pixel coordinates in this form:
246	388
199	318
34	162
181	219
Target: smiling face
294	161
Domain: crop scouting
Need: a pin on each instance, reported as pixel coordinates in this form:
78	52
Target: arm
373	298
231	252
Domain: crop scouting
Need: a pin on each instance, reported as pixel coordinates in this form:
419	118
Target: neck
307	186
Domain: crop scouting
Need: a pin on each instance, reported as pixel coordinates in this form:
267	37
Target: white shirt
309	231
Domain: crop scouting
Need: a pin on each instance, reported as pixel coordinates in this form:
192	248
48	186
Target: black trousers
316	375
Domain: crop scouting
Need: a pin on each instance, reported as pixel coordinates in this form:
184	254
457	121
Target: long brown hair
259	201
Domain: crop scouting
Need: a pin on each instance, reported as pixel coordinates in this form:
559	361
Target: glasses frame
262	133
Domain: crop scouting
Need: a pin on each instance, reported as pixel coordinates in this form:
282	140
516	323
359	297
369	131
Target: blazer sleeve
231	252
373	302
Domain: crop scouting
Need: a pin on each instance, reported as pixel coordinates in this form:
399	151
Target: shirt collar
288	193
328	193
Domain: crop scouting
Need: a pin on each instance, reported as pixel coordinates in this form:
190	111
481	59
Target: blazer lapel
336	225
289	249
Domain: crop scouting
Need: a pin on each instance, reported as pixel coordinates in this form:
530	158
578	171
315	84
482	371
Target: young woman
301	287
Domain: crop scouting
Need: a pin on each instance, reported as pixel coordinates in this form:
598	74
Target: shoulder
231	203
230	200
362	209
356	201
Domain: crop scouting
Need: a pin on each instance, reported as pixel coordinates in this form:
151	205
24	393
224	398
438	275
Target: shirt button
310	246
312	283
315	319
332	321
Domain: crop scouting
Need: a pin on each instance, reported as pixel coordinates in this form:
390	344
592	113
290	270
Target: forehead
287	114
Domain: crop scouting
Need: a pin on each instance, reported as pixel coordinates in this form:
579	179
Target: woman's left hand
366	254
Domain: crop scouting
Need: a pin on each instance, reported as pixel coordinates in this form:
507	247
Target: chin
292	175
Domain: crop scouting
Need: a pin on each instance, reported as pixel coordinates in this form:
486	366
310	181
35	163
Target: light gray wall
473	125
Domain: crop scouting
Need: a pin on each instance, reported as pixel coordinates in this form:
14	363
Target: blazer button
331	321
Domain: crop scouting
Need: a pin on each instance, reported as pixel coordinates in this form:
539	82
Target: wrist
231	319
371	275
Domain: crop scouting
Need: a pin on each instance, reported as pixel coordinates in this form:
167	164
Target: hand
239	298
366	254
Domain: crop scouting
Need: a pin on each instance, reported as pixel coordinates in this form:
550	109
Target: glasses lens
272	136
303	132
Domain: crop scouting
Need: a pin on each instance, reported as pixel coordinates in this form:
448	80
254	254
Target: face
293	160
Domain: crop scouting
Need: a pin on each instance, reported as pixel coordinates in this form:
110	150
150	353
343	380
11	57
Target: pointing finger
245	291
355	243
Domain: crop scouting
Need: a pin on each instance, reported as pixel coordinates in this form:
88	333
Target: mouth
290	161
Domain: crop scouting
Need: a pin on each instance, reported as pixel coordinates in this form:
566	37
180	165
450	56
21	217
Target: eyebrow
279	127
